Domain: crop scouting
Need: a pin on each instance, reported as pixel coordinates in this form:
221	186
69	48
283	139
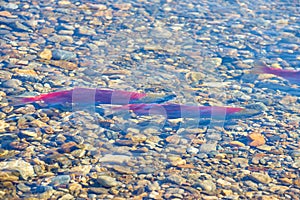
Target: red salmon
293	76
85	96
173	111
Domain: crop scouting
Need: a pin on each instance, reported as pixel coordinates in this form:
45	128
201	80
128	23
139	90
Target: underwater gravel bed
201	51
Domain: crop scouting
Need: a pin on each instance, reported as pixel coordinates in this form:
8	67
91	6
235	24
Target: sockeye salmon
293	76
91	96
173	111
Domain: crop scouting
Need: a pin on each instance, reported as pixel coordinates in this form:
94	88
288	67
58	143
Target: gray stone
12	83
107	181
58	54
208	185
260	177
61	180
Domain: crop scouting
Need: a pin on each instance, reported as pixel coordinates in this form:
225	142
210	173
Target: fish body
173	111
293	76
85	96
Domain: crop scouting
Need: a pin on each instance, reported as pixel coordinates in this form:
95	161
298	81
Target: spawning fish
89	96
173	111
293	76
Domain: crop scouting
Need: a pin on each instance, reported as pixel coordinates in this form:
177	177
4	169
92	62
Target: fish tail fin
260	68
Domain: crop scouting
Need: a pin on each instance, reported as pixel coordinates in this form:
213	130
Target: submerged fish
89	96
173	111
293	76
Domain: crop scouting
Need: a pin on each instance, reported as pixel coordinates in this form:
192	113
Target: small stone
221	156
122	169
47	31
3	126
25	72
173	139
176	160
5	75
265	147
63	55
46	54
60	180
257	139
122	6
160	32
107	181
18	145
82	169
64	64
75	188
242	162
226	192
22	187
288	100
114	158
192	150
8	176
223	182
138	138
39	123
64	2
237	144
176	179
66	197
208	185
154	195
5	14
297	182
68	147
260	177
150	47
98	190
24	168
78	153
26	133
61	38
84	30
12	83
286	181
195	76
10	6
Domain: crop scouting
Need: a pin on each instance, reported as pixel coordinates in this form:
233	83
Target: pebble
256	139
60	180
115	158
64	64
58	54
5	75
24	168
23	187
208	186
192	150
160	32
176	179
107	181
83	30
10	6
260	177
237	144
46	54
12	83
